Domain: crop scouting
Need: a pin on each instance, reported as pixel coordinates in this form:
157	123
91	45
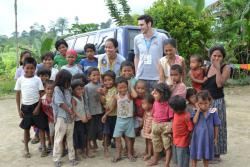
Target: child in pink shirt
178	87
162	125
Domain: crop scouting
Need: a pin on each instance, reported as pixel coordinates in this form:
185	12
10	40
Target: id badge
147	59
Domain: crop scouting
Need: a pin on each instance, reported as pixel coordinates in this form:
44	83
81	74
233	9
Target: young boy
182	128
44	74
74	69
93	102
29	88
90	60
48	61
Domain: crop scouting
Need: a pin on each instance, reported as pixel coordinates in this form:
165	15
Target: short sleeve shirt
47	108
73	70
29	88
86	64
149	51
60	61
109	97
180	89
162	112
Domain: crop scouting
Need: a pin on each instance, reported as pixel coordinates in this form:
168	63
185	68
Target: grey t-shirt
149	52
93	99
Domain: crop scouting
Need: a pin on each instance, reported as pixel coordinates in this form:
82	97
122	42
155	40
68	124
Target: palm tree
16	33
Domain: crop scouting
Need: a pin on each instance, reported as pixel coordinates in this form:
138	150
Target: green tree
197	5
61	25
119	11
190	31
106	24
82	28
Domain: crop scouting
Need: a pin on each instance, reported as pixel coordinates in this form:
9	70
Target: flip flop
26	155
116	159
132	159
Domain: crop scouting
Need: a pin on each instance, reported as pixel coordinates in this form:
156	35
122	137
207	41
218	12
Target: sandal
116	159
73	162
132	158
26	155
44	153
35	140
58	164
152	163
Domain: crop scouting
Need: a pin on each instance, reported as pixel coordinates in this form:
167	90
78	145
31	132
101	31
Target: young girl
20	70
48	61
147	105
125	120
178	87
191	99
127	71
182	128
64	117
80	130
162	125
205	134
73	68
109	118
140	89
170	59
196	72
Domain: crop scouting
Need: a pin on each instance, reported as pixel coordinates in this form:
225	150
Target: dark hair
121	80
177	67
164	90
91	69
60	42
147	19
149	98
89	46
217	47
178	103
29	60
63	78
82	77
204	95
141	81
49	82
114	41
47	55
43	71
76	82
196	57
22	54
127	64
190	92
170	41
109	73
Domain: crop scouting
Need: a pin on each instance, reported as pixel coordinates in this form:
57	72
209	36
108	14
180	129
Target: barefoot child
182	128
162	125
196	72
109	118
206	126
29	87
147	105
125	120
80	129
20	70
48	61
64	117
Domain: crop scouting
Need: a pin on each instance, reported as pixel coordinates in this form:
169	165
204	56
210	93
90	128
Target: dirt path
238	110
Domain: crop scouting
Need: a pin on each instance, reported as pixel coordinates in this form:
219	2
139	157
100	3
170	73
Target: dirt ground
238	108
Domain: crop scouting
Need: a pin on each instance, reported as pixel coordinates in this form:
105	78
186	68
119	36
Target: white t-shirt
54	71
29	88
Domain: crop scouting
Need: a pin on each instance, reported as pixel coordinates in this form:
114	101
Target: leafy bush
6	87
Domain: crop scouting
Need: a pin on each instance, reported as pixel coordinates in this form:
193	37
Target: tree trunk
16	35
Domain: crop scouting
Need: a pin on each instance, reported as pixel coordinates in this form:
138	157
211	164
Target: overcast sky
44	11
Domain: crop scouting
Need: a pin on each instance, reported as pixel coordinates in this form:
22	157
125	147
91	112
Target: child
93	100
80	130
28	88
90	60
178	87
140	89
46	101
64	117
109	118
196	72
44	74
162	125
125	120
170	58
20	70
205	134
182	128
74	69
48	61
147	105
191	98
127	71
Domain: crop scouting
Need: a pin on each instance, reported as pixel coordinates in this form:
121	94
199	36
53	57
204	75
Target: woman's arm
161	72
221	78
194	79
183	64
216	133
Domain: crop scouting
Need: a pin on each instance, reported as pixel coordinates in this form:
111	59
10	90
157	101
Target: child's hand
104	118
204	79
36	111
148	130
88	116
84	119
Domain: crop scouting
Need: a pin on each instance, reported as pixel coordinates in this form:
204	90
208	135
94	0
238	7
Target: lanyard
148	43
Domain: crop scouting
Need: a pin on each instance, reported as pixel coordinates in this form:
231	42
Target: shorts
109	126
95	127
138	122
124	126
161	135
80	135
181	156
51	129
40	120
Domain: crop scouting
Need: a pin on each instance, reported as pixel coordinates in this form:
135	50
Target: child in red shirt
182	127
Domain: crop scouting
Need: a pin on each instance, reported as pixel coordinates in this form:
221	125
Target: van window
80	43
131	35
70	43
91	39
103	36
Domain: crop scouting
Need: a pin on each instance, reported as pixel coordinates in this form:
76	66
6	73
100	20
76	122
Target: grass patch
7	87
